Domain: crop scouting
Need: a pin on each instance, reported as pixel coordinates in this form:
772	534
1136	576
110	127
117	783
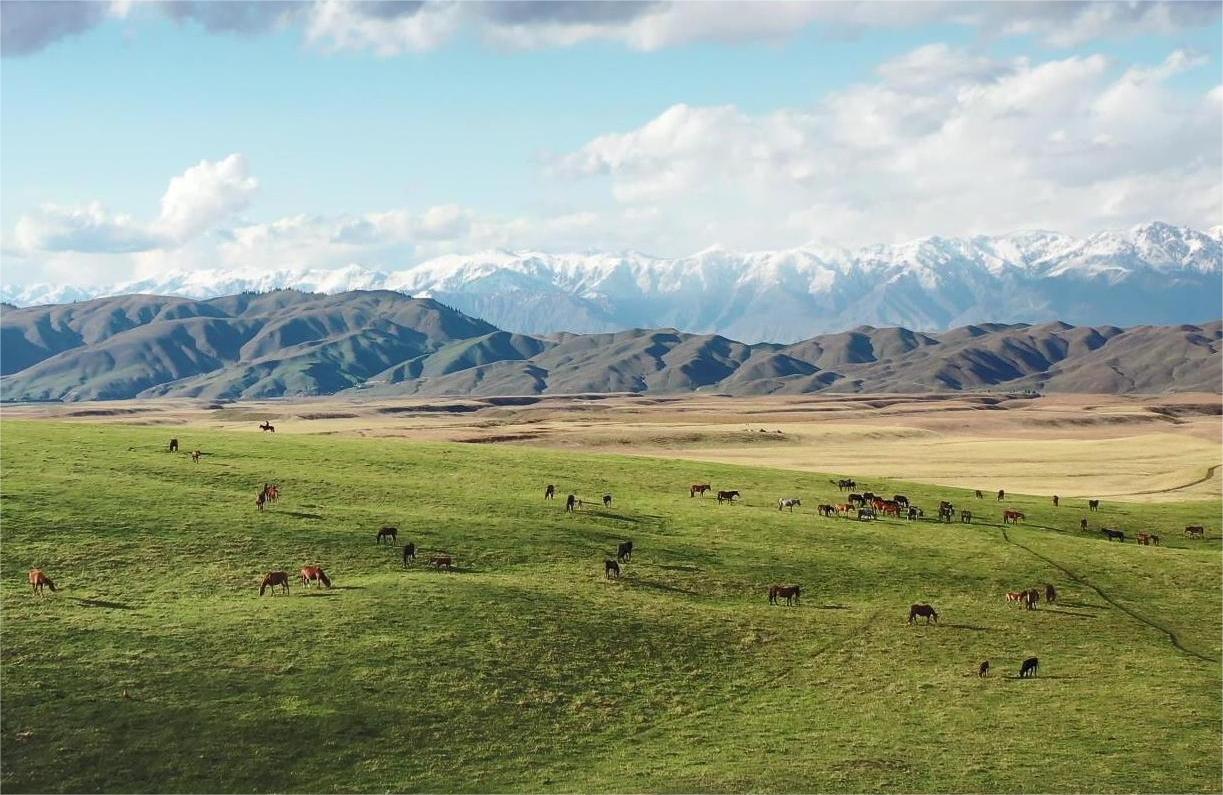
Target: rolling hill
288	343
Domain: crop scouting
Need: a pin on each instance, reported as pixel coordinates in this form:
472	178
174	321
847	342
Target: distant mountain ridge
1154	273
289	343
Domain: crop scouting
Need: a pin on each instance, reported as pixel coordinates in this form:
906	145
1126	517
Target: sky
138	138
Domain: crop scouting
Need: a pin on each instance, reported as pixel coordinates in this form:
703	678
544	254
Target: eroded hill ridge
290	343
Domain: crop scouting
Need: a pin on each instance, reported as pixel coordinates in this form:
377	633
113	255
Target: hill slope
287	343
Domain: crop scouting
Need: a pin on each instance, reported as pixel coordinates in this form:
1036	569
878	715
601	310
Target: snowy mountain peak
1150	273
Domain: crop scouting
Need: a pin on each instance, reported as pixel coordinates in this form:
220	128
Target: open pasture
158	667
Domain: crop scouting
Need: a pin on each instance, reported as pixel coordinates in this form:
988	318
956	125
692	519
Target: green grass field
158	667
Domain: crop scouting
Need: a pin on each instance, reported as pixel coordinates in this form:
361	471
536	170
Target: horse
606	500
966	517
826	510
789	502
856	499
174	445
728	496
1055	500
1031	598
1083	524
1154	540
267	426
1012	517
698	488
390	533
980	496
984	669
789	592
1093	505
611	569
195	456
1029	667
39	580
901	500
550	492
262	499
945	512
314	574
1016	596
273	492
1050	593
624	550
409	552
869	496
1143	538
1113	535
914	513
571	503
866	514
1001	495
273	579
1195	531
844	484
922	610
944	505
437	561
889	508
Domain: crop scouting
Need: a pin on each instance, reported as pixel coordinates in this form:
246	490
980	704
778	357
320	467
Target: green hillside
158	667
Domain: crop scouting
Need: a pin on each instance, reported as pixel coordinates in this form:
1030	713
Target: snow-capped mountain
1153	273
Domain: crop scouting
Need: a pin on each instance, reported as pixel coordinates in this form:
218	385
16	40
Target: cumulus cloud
205	194
393	27
988	146
89	229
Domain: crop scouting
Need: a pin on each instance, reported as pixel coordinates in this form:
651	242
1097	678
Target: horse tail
263	587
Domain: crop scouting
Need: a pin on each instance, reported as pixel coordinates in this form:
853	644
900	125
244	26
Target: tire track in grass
1128	611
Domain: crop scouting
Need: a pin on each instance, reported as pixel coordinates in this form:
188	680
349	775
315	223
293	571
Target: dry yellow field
1131	448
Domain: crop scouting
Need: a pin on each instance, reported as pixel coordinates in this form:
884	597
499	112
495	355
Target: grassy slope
526	670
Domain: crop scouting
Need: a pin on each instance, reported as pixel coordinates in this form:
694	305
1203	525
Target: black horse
388	533
624	551
1029	667
611	569
174	445
1113	535
550	492
409	552
571	503
606	500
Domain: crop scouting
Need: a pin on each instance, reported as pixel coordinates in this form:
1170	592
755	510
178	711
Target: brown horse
195	456
1012	517
390	533
922	610
273	492
611	569
1143	538
267	426
1016	596
438	561
314	574
273	579
728	496
698	488
1055	500
39	580
788	592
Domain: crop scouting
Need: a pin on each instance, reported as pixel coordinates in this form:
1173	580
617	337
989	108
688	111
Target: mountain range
1154	273
382	342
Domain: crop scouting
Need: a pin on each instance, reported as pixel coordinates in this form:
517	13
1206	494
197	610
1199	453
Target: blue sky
660	128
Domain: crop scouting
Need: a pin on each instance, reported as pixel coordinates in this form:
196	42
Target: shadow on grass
298	514
1084	605
831	607
1066	613
660	586
320	593
349	587
102	603
1017	678
970	627
678	568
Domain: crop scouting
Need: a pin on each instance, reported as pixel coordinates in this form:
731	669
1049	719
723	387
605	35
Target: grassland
158	667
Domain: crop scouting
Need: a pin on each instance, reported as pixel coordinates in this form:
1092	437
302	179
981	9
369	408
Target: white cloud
91	229
205	194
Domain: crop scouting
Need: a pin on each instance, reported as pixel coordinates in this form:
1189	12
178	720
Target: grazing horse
869	496
314	574
789	592
901	500
1055	500
571	503
389	533
844	484
888	508
966	516
624	551
550	492
984	669
1029	667
789	502
1143	538
174	445
262	499
195	456
437	561
1154	539
980	496
273	579
945	512
856	499
39	580
1113	535
1012	517
606	500
922	610
611	569
267	426
1083	524
728	496
1093	505
914	513
826	510
1195	531
1016	596
698	488
1031	598
866	514
1001	495
409	552
1050	593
